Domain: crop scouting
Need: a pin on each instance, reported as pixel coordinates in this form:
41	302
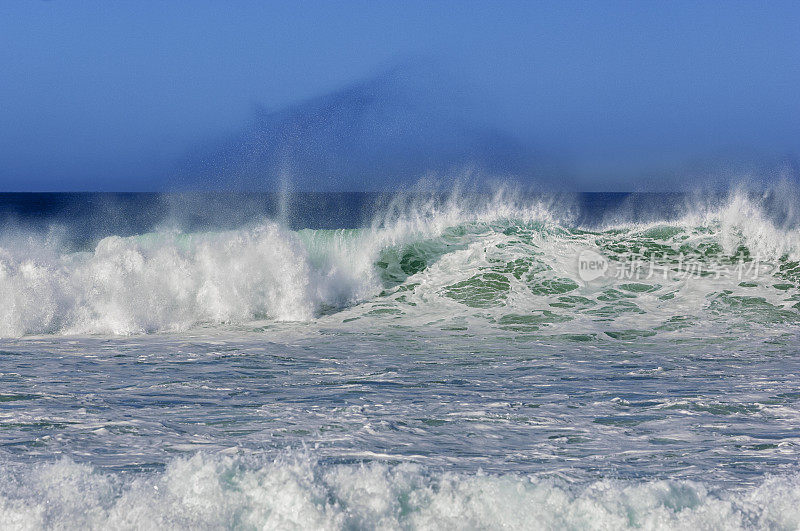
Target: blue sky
104	95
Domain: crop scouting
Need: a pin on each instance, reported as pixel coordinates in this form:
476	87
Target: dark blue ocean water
104	214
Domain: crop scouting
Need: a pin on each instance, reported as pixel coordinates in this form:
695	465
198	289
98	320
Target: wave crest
502	252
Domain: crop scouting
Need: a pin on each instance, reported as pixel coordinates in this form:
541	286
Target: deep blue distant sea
420	360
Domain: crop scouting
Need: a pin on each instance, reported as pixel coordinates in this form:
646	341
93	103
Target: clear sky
106	95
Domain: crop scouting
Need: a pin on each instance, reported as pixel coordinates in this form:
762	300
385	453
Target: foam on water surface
296	492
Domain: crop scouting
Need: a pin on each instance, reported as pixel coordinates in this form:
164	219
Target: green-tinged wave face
525	277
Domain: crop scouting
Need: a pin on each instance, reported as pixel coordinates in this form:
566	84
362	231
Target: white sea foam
158	281
295	492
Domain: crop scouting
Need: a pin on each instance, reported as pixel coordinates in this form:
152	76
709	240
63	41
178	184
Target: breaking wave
505	261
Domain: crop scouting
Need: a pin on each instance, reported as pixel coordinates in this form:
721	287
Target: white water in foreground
294	492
